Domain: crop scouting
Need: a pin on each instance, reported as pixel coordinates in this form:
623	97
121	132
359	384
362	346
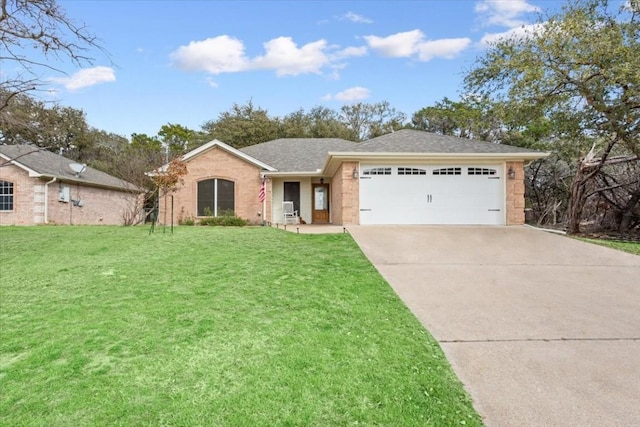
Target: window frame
7	198
215	199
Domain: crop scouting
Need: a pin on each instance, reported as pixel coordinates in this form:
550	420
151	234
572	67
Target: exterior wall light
511	173
354	173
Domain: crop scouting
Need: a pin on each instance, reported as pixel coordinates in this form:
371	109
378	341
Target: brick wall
23	198
100	206
515	194
218	163
345	195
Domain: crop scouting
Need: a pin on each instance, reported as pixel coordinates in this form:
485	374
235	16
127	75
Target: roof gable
39	162
219	144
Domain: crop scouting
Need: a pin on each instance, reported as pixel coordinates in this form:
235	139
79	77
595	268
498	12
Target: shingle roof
297	154
415	141
49	164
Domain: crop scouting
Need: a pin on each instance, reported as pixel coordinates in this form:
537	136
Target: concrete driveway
543	330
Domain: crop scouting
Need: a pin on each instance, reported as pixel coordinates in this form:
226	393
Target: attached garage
432	194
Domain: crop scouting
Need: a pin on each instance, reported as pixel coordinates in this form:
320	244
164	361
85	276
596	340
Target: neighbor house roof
41	163
298	154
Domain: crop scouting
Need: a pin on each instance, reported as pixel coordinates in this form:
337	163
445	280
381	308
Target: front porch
311	197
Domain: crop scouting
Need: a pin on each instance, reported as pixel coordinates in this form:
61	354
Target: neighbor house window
216	197
6	196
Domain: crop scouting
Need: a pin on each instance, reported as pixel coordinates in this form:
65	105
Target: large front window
215	197
6	196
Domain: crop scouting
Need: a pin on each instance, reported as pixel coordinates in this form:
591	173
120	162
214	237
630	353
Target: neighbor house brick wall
515	194
100	205
23	197
217	163
345	195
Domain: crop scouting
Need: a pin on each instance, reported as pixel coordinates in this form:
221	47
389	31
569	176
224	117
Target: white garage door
427	194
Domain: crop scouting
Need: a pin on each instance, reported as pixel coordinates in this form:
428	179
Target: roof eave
277	174
32	173
335	158
125	188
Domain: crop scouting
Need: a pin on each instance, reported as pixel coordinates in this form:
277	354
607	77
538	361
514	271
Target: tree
33	35
326	123
242	126
469	118
578	67
319	122
178	139
56	128
366	121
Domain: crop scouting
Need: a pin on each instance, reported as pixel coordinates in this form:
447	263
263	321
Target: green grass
631	247
210	327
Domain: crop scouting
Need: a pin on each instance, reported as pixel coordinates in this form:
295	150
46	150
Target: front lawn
631	247
212	327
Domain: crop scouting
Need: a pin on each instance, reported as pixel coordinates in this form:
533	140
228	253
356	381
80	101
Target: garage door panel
454	195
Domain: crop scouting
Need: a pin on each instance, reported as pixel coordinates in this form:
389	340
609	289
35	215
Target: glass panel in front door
321	199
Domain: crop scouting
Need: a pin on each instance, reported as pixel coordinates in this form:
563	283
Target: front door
320	204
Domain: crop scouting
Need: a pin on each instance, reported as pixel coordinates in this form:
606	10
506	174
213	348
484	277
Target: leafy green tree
578	67
242	126
56	128
469	118
319	122
178	139
366	121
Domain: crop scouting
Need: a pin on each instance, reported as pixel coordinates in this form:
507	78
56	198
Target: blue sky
185	62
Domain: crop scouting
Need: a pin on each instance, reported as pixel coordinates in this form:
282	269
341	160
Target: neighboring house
406	177
40	187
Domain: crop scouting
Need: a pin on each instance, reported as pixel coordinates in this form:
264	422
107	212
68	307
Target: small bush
187	221
224	221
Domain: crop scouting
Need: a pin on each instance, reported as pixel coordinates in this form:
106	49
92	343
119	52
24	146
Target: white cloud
443	48
225	54
284	56
354	17
212	83
522	32
397	45
86	77
350	52
506	13
414	43
352	94
222	54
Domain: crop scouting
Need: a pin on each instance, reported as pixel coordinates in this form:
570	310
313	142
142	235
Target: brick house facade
308	171
37	187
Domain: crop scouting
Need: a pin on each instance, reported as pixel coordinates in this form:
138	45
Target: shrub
187	221
224	221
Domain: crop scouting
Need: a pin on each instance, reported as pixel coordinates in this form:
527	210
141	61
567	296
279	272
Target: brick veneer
345	195
218	163
515	194
100	205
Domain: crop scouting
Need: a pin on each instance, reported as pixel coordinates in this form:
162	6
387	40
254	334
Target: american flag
262	194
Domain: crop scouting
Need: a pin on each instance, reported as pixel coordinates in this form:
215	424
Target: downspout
46	199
